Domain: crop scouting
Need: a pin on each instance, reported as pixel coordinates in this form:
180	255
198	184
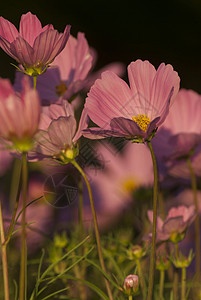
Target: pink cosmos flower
133	112
176	223
34	46
121	174
19	114
70	73
58	137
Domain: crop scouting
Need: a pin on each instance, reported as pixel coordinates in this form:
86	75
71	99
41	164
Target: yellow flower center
60	89
142	121
129	185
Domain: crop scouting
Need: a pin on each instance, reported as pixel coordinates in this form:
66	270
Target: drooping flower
34	46
176	223
19	114
133	112
69	74
58	136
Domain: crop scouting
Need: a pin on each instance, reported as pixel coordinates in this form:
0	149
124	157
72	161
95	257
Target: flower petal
7	30
61	131
126	128
23	51
141	75
108	98
30	28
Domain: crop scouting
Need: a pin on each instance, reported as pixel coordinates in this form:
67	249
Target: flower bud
136	252
162	263
182	261
131	284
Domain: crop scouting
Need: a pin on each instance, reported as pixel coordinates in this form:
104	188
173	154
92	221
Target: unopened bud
131	284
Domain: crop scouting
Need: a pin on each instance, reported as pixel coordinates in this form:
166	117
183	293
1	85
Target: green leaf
55	293
105	275
91	286
65	271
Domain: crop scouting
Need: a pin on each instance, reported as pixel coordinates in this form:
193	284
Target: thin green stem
153	250
140	277
15	182
4	258
95	226
22	290
162	277
197	220
183	284
34	82
14	197
80	209
176	275
130	297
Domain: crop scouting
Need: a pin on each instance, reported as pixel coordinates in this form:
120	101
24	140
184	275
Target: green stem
15	182
176	275
153	250
22	290
130	297
197	220
140	276
14	197
4	258
183	284
162	277
80	211
95	226
34	82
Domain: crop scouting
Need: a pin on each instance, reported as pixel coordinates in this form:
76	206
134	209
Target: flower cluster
49	116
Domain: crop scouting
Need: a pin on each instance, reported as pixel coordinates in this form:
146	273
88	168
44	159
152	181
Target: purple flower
133	112
176	223
34	46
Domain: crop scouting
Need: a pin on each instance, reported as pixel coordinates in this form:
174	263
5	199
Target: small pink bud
131	284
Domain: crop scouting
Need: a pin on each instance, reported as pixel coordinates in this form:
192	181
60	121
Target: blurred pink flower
121	175
58	136
133	112
19	114
5	161
39	216
33	46
180	134
176	223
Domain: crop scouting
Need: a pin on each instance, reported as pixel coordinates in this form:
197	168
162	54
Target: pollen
129	185
142	121
60	89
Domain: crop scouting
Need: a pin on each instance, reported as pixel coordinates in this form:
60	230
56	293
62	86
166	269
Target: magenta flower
19	114
176	223
133	112
34	46
58	136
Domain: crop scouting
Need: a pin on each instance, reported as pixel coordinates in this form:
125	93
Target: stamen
142	121
60	89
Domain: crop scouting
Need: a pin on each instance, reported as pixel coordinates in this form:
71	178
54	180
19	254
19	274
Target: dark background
165	31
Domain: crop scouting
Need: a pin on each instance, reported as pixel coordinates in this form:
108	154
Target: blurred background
160	31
